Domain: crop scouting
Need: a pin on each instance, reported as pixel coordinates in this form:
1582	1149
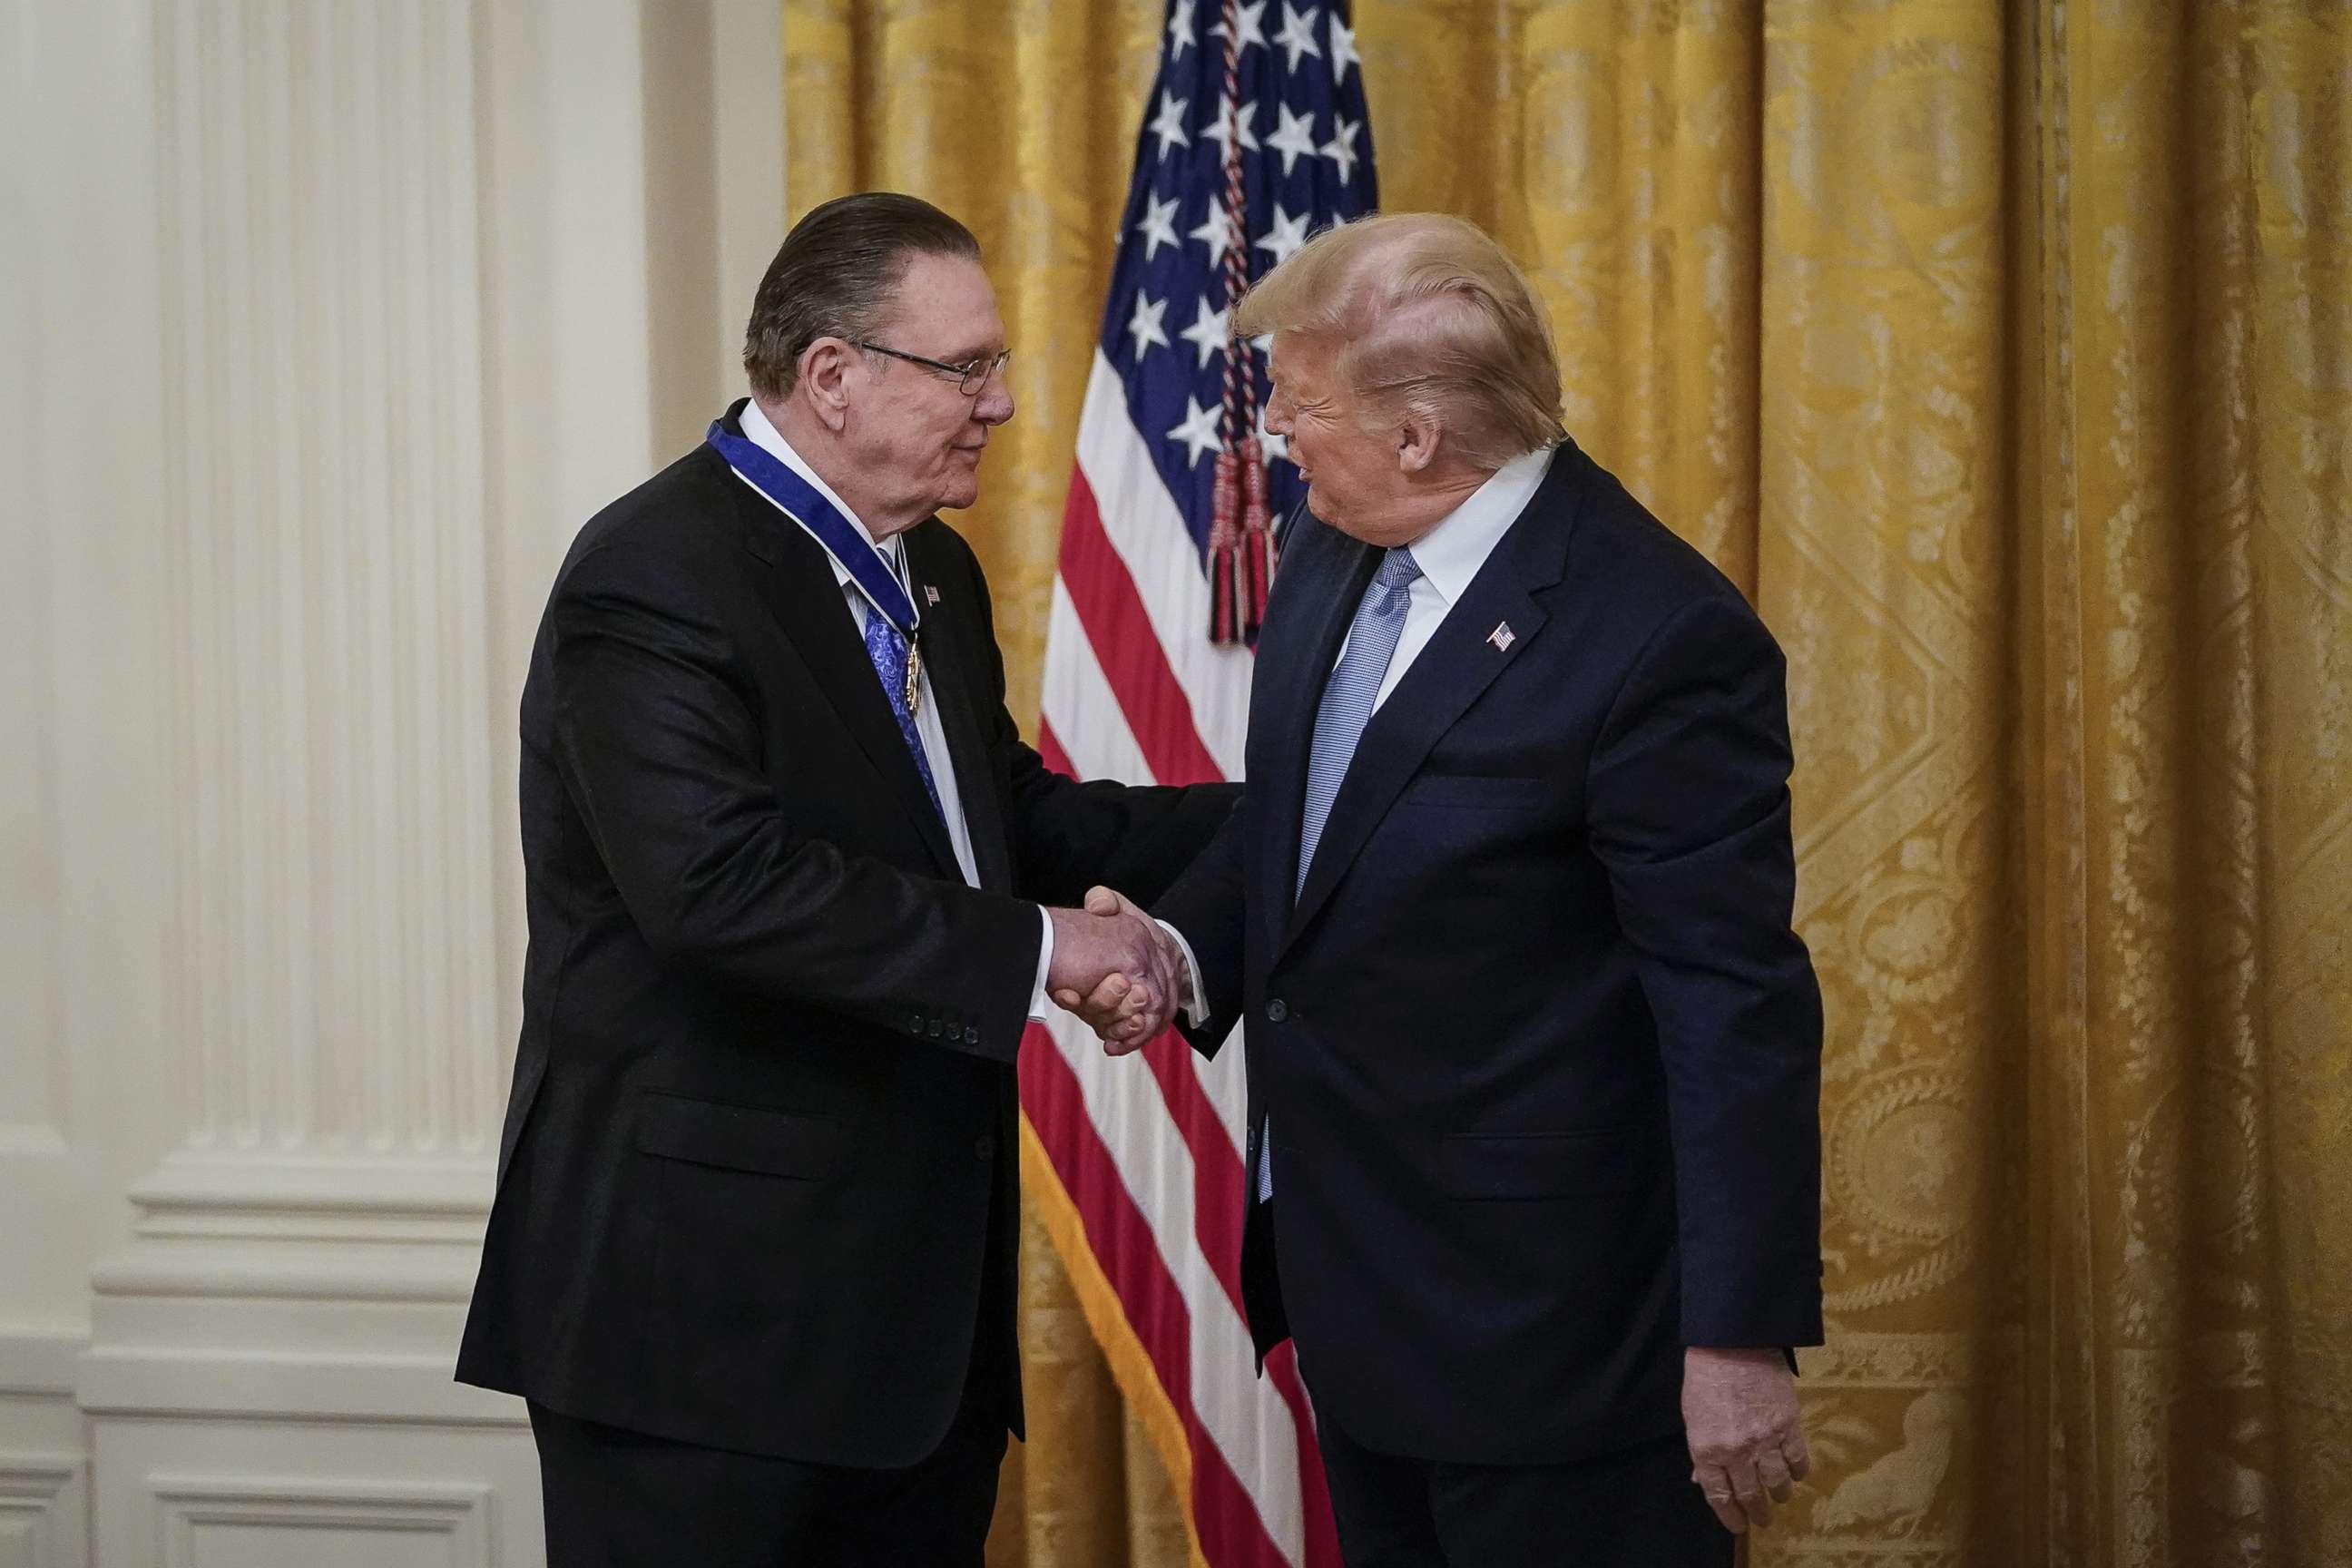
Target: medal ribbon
841	539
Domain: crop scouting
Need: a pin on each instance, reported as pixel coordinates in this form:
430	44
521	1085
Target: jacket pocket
1499	1166
741	1138
1473	790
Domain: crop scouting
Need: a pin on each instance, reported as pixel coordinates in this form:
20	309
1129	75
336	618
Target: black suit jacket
1539	1047
757	1183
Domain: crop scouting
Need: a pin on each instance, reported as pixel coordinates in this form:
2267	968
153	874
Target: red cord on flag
1256	573
1225	581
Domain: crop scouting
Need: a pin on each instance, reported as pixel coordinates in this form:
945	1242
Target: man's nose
994	404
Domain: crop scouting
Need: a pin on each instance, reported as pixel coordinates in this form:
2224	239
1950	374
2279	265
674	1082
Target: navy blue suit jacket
1540	1047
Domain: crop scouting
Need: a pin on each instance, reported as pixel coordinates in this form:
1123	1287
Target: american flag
1136	1166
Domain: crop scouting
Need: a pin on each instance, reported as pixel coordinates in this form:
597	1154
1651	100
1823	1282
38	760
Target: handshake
1118	969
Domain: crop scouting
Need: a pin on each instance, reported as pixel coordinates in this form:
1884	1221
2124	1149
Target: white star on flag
1214	232
1342	148
1158	225
1180	30
1294	138
1343	49
1145	324
1298	34
1221	130
1199	430
1286	234
1170	126
1253	27
1208	331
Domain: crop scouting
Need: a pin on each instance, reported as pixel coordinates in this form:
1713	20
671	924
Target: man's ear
1418	442
824	369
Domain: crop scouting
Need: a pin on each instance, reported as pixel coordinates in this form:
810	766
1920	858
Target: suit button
971	1035
1276	1011
914	1023
936	1028
984	1146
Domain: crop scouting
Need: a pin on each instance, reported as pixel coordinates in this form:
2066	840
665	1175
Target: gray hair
835	276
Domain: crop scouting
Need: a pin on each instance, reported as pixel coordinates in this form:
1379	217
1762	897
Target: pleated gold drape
2001	352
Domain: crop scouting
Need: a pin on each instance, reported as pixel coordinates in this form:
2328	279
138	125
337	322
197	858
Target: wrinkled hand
1747	1444
1128	1005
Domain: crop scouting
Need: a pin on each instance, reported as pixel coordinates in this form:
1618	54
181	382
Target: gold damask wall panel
2194	554
2299	841
1884	441
1999	349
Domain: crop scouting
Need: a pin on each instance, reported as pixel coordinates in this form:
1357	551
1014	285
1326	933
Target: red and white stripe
1149	1150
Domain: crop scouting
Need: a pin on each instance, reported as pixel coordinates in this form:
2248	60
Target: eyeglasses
970	376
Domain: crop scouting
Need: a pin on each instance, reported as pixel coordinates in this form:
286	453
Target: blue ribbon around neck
841	539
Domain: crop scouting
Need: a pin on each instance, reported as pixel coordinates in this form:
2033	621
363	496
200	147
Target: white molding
295	1269
411	1186
378	1391
184	1504
32	1055
31	1140
747	101
38	1490
321	425
38	1365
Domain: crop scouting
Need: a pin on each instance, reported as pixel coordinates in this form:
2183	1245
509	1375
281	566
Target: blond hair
1434	322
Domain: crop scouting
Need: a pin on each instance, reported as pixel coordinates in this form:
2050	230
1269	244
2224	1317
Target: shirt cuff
1196	1009
1040	1004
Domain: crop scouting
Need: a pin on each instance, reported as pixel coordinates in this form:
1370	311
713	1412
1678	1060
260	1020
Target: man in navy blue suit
1533	1051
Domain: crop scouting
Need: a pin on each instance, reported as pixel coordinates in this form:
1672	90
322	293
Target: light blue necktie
1348	699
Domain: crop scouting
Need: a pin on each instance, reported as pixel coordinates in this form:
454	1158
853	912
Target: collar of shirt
1451	553
764	436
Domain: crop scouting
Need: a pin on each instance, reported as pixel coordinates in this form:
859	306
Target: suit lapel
1451	670
795	582
947	633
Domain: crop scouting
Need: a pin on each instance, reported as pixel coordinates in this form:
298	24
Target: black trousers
1632	1508
617	1499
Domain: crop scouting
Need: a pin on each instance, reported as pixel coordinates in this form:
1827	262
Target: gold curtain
2001	352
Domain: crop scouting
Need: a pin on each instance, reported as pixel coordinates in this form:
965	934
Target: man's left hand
1746	1443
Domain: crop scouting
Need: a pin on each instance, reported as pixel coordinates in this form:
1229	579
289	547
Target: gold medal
914	677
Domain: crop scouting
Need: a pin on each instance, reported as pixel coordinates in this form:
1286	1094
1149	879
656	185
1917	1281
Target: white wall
322	327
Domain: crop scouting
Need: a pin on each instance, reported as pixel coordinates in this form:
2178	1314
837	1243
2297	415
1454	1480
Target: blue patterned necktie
888	649
1338	725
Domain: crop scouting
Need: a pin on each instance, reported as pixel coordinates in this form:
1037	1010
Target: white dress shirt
764	436
1450	555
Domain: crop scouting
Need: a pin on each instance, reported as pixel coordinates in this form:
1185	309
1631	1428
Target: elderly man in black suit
752	1256
1534	1052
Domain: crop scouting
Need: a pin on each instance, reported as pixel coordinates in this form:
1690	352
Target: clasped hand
1117	969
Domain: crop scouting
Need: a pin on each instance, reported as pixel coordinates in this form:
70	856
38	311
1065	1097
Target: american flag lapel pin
931	595
1501	636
